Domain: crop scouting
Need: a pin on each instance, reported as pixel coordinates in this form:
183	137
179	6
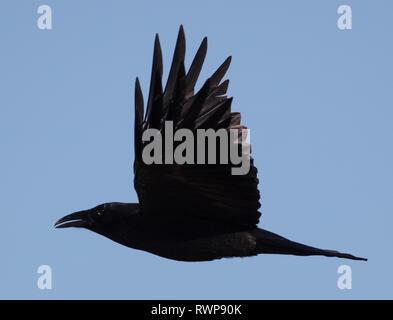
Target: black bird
189	212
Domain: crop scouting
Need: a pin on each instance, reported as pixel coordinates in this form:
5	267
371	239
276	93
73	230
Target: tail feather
269	242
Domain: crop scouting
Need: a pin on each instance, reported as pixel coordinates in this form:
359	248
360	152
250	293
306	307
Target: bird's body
192	211
183	239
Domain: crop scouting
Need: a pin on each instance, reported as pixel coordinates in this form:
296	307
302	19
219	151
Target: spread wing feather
203	191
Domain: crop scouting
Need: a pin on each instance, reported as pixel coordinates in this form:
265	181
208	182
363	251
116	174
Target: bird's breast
236	244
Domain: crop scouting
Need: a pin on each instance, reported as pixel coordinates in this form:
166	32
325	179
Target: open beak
78	219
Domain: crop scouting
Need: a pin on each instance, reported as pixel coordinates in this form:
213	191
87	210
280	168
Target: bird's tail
269	242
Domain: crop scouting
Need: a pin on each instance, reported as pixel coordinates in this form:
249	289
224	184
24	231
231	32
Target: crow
189	212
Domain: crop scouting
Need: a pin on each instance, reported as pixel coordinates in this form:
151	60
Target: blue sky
318	102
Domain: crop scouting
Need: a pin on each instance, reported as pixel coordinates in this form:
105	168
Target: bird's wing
206	191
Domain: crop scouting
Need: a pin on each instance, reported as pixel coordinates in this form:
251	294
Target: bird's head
103	214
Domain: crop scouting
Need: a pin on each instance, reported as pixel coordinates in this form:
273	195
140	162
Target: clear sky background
318	102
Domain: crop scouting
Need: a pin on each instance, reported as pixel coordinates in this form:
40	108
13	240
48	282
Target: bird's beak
78	219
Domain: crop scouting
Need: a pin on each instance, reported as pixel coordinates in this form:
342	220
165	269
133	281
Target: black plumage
189	212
